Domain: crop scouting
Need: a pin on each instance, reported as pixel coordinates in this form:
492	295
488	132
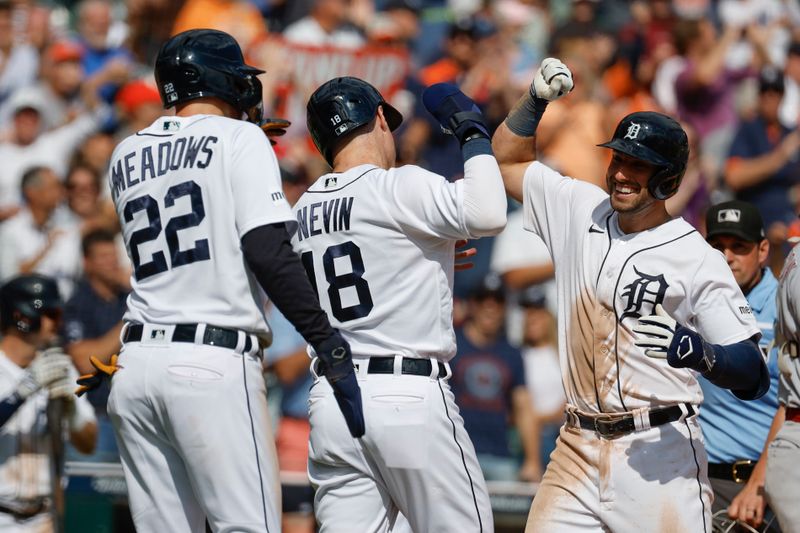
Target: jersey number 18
339	282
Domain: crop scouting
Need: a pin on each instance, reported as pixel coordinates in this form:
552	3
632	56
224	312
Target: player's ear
382	123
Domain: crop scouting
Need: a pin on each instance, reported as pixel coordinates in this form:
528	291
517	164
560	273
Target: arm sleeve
256	182
485	202
427	203
268	252
741	368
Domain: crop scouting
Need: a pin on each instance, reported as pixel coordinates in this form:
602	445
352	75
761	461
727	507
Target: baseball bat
56	409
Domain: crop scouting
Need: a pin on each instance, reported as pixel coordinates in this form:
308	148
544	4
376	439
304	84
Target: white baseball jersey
607	279
25	442
186	190
378	246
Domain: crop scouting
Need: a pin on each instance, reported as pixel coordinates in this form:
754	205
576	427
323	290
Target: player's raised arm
514	142
484	201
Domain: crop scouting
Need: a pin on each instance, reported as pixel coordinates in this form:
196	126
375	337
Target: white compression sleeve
484	196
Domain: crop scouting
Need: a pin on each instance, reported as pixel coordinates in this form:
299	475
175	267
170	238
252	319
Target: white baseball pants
648	481
194	437
415	459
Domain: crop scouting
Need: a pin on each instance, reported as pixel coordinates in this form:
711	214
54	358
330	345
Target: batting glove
104	371
48	368
335	354
663	338
274	127
552	81
456	112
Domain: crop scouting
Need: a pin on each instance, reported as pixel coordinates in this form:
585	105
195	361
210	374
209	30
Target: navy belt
213	336
410	366
612	425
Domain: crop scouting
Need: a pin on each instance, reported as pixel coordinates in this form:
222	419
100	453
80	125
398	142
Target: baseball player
31	378
206	223
783	460
644	304
378	244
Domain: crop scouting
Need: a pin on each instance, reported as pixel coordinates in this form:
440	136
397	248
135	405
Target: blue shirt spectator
489	386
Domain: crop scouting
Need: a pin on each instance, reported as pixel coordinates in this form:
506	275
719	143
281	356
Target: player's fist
48	368
456	112
334	354
552	81
662	337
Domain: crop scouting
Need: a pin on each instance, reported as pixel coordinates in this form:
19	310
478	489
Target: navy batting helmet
340	106
659	140
202	63
24	299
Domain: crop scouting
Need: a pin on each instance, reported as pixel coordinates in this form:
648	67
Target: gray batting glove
47	369
552	81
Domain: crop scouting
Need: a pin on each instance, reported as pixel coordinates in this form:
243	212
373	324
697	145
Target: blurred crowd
76	77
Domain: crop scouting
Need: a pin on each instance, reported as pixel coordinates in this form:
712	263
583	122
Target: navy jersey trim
596	283
345	185
140	134
255	442
697	476
463	459
614	302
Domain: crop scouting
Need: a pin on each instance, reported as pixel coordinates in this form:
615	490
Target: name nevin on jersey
154	161
326	216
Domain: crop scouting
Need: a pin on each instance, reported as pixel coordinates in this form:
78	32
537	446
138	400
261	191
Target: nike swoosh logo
595	229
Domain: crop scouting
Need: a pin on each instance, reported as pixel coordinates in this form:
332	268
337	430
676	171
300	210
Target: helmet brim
636	150
393	117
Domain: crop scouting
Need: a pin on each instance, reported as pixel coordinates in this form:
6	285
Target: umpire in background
735	430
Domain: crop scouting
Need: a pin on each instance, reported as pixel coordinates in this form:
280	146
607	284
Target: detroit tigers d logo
643	294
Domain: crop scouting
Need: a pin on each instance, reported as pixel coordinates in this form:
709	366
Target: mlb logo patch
330	182
171	125
729	215
158	334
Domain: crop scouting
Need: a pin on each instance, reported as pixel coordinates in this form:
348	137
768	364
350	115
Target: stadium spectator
706	85
522	260
327	24
35	240
86	208
100	53
489	386
735	430
789	112
19	61
92	324
239	18
29	146
139	104
542	369
763	166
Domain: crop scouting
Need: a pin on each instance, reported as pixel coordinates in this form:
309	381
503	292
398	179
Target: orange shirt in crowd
240	19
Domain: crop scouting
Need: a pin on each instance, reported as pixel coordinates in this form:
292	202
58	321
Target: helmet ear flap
662	186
